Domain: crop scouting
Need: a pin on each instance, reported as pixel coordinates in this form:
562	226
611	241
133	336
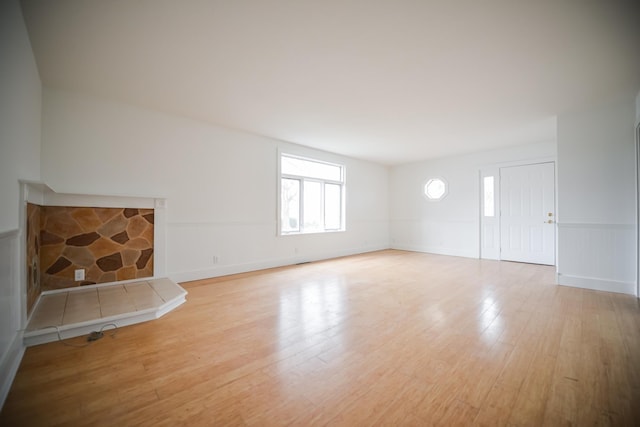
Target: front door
527	213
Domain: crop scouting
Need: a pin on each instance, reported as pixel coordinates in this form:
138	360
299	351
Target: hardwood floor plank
530	405
497	407
479	373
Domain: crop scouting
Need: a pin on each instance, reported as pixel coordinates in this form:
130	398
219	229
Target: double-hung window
311	195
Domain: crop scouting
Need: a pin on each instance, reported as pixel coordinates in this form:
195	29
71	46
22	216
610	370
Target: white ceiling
389	81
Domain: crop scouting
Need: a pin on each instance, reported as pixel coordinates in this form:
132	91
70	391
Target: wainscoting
451	237
597	256
10	314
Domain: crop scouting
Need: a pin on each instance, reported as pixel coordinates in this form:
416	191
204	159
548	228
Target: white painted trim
524	162
15	233
160	237
220	224
278	194
22	268
436	250
637	146
54	197
426	220
225	270
9	365
11	356
41	194
596	284
591	225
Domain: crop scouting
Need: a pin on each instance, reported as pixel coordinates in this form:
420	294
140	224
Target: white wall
450	226
638	109
220	184
597	198
20	106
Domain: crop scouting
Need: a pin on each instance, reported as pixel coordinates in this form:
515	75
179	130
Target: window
489	203
435	189
311	196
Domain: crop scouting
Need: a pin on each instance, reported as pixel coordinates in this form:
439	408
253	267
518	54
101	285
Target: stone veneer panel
33	254
109	243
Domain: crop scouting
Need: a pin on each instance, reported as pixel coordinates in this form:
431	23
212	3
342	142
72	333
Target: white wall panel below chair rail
597	256
11	302
456	238
201	250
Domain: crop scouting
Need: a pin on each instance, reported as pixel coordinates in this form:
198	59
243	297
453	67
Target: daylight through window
435	189
311	196
489	203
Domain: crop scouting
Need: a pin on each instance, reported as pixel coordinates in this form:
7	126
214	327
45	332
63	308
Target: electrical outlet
215	259
79	274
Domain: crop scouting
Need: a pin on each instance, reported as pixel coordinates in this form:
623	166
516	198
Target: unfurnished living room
301	213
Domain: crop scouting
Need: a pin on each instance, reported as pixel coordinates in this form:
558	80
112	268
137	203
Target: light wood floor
388	338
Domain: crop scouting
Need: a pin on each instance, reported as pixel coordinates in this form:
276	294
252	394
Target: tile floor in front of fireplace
62	309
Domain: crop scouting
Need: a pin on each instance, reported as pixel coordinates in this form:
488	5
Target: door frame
637	146
495	168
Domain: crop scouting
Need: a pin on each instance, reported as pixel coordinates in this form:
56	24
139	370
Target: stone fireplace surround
149	219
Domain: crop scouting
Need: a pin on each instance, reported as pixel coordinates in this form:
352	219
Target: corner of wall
20	138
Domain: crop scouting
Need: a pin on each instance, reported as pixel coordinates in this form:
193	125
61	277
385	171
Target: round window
435	189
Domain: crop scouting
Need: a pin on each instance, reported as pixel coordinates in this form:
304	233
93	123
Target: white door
527	213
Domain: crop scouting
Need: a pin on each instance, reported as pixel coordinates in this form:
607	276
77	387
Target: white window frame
302	179
428	181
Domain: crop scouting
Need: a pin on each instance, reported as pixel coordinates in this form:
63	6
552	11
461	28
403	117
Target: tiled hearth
79	311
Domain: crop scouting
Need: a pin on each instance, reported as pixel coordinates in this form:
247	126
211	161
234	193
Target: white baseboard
225	270
436	250
9	365
597	284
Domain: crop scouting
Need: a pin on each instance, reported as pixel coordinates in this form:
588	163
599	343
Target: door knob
548	222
